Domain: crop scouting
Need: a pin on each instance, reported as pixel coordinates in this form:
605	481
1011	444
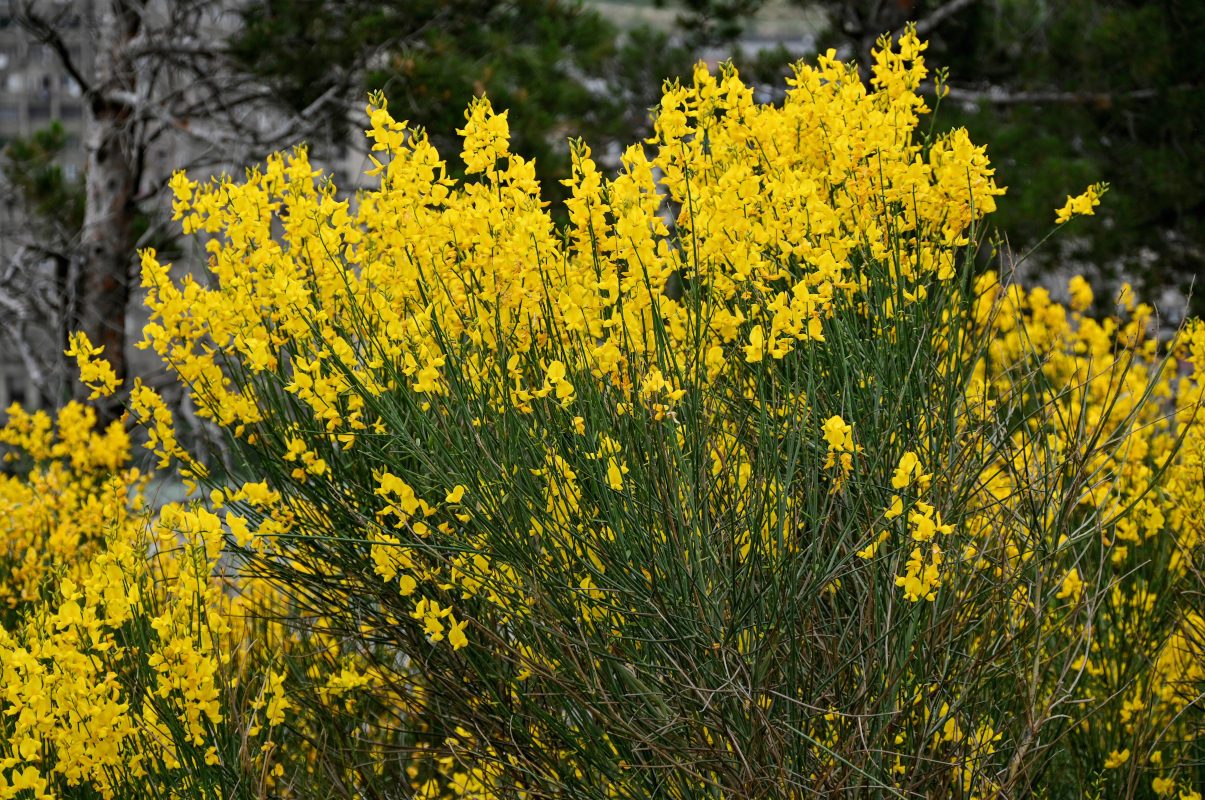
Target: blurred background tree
1064	94
560	68
53	201
50	205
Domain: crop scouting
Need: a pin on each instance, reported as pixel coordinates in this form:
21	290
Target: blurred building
34	87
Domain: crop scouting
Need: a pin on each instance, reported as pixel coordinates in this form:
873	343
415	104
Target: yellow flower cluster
117	632
922	574
1082	205
96	374
418	263
55	503
424	265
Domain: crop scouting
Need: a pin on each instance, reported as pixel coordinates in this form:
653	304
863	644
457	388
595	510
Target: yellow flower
838	434
1081	293
757	345
615	473
1071	587
95	374
909	466
1163	786
921	578
1084	204
869	552
456	635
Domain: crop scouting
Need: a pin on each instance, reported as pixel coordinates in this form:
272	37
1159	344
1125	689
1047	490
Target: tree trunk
104	277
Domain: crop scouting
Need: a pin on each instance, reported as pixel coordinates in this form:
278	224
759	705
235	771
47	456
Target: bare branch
170	48
47	34
939	15
31	304
233	132
305	115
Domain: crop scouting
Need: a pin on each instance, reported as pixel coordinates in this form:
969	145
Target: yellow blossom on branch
94	373
1082	205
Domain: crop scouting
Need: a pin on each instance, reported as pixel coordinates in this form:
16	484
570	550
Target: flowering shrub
744	484
121	652
82	602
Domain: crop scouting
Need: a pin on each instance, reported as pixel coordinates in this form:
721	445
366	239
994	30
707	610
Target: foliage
713	21
785	500
55	202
